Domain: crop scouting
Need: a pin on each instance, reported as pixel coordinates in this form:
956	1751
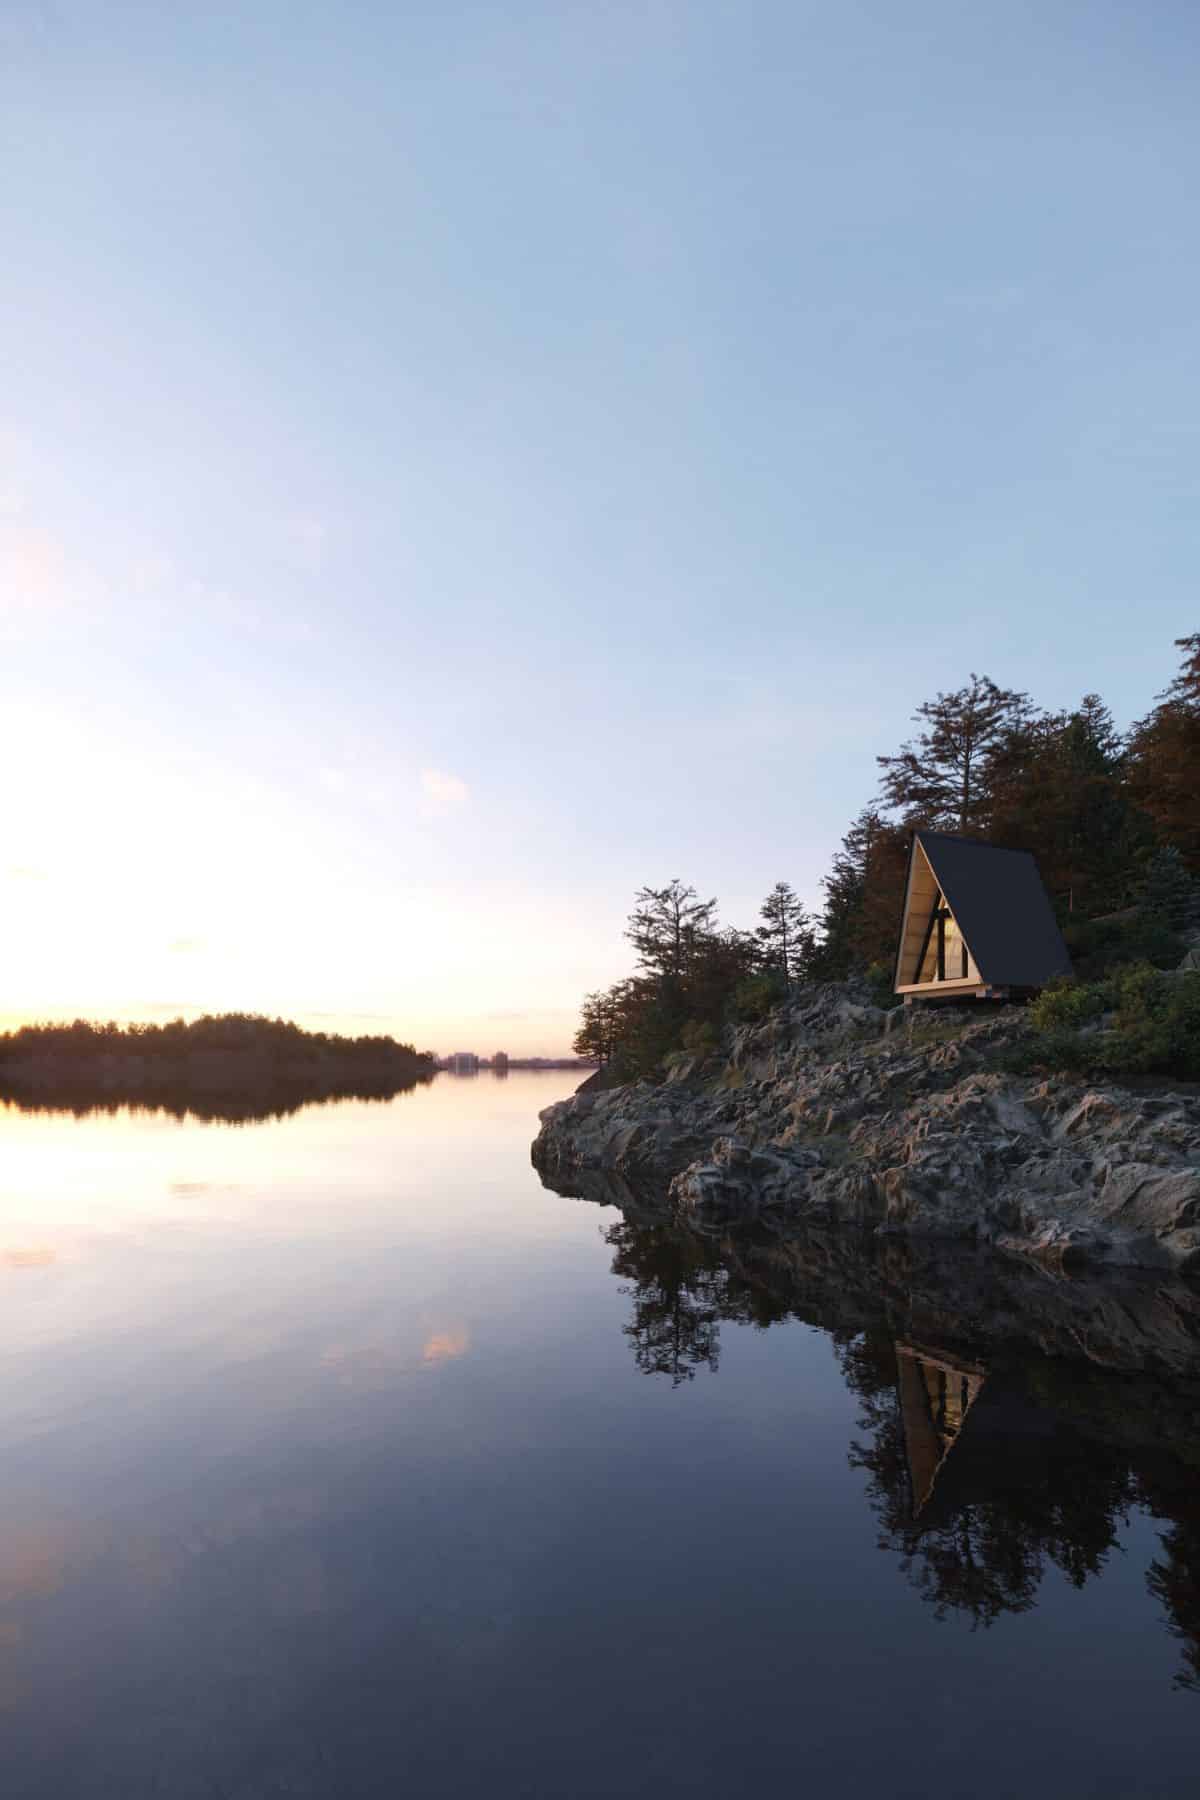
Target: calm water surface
339	1458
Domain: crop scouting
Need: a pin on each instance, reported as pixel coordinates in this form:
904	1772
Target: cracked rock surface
899	1122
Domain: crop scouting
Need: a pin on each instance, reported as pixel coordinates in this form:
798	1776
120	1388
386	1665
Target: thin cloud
32	569
445	1346
442	793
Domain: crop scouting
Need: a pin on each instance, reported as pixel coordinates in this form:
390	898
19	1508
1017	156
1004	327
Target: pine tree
941	779
1057	785
602	1016
845	886
1164	757
1170	891
875	928
864	892
667	925
786	934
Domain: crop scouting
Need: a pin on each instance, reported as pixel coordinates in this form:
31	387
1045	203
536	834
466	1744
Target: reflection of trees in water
681	1289
676	1291
1174	1577
1021	1486
263	1103
981	1545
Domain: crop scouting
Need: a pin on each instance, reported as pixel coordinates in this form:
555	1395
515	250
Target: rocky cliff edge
899	1122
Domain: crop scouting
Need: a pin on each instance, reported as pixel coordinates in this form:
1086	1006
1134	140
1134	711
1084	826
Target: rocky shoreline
896	1123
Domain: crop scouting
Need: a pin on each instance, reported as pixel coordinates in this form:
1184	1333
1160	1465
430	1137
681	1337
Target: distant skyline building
469	1062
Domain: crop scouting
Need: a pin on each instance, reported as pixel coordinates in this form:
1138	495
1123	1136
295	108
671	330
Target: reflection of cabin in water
936	1394
977	923
971	1434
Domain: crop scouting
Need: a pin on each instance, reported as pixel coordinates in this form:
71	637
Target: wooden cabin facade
977	923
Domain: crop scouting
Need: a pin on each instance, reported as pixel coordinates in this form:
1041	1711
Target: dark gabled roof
1001	907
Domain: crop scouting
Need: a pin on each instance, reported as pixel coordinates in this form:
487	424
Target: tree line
1113	820
269	1040
692	974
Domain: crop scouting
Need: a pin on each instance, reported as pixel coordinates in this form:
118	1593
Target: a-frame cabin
977	923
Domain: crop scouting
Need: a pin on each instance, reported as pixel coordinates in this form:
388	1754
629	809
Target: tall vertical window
945	954
956	952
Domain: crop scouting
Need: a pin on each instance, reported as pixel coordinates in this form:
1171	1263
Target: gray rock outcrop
900	1122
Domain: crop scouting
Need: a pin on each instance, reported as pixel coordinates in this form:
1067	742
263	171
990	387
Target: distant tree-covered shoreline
227	1053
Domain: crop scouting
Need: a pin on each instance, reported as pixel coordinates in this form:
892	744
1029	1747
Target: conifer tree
598	1026
940	779
1057	785
1170	891
875	928
786	932
1164	757
845	887
667	925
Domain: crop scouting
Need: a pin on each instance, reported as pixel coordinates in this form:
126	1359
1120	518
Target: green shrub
1155	1026
1098	946
1066	1005
699	1037
754	997
880	977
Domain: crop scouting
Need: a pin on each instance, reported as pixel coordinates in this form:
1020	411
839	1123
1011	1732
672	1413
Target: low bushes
1100	946
1136	1021
754	997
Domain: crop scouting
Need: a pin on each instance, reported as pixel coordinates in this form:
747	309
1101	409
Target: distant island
229	1055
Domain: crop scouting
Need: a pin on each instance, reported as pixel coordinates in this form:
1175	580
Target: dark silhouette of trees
223	1053
692	971
216	1032
600	1024
1174	1576
676	1290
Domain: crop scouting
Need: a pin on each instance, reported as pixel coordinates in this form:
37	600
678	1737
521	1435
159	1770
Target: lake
341	1458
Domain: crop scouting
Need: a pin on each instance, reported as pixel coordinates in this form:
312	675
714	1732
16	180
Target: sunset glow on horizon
459	467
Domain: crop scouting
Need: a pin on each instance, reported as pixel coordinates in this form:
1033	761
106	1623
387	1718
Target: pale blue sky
461	462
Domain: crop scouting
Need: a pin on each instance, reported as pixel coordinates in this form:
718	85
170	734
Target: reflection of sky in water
327	1470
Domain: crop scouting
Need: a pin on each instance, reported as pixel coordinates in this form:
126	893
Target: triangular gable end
936	1394
934	953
